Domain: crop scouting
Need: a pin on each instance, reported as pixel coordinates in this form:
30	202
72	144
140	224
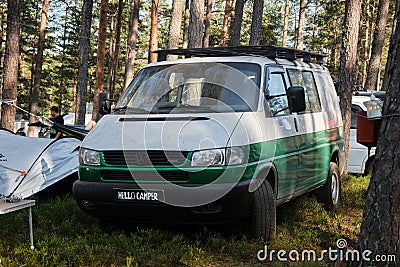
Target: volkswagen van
224	134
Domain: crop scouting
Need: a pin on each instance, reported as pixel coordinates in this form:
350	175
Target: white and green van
223	135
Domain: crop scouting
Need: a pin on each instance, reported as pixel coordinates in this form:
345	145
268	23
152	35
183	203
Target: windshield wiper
183	107
131	109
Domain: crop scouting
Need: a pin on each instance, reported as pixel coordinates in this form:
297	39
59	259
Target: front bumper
99	199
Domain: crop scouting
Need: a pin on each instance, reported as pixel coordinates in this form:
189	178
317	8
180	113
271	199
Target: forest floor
65	236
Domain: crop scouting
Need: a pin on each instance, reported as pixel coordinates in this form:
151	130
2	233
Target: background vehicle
360	161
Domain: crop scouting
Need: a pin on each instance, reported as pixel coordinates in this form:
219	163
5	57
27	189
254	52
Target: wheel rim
335	189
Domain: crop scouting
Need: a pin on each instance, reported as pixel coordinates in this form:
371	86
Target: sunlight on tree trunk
132	39
207	24
285	23
10	79
196	24
256	22
186	22
38	67
153	31
237	23
225	23
83	64
114	59
300	30
101	56
175	27
348	67
377	46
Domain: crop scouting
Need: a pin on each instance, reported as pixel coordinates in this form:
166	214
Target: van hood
172	132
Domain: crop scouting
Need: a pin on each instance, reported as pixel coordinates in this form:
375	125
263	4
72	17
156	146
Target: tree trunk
377	46
132	38
83	64
3	18
186	24
381	218
207	24
112	45
285	23
237	23
101	55
365	26
300	30
348	67
390	60
114	60
62	88
175	26
38	67
196	23
225	23
256	22
153	31
232	16
10	78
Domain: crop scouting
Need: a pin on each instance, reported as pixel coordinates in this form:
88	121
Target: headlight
218	157
211	157
89	157
235	156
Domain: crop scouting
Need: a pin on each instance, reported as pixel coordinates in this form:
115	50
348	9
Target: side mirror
104	103
297	99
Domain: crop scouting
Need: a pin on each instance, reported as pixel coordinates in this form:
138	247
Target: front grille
145	158
144	175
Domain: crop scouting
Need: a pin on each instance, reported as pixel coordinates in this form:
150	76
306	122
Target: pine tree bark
225	23
381	218
114	59
38	67
2	17
300	30
101	55
186	22
285	23
374	64
207	24
153	31
348	66
132	39
11	60
256	22
237	23
390	60
175	26
83	63
196	24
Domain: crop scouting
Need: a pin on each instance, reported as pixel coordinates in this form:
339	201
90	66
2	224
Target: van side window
276	92
306	80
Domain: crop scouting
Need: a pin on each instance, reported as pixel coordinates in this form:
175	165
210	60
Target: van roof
269	51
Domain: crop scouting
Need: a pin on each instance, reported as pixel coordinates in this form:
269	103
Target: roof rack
270	51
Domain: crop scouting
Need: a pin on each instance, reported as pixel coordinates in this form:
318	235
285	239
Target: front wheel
263	212
329	194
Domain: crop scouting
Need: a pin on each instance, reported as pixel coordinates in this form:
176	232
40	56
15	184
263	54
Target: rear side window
306	80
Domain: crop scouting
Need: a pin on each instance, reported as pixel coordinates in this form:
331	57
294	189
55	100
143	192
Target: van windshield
193	87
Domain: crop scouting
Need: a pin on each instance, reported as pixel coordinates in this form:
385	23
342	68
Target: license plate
139	195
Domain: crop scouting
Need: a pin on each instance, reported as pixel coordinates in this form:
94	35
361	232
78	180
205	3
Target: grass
65	236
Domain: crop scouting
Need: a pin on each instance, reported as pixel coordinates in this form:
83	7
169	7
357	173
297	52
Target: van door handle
296	124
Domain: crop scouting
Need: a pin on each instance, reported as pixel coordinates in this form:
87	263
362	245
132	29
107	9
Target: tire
330	193
263	213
